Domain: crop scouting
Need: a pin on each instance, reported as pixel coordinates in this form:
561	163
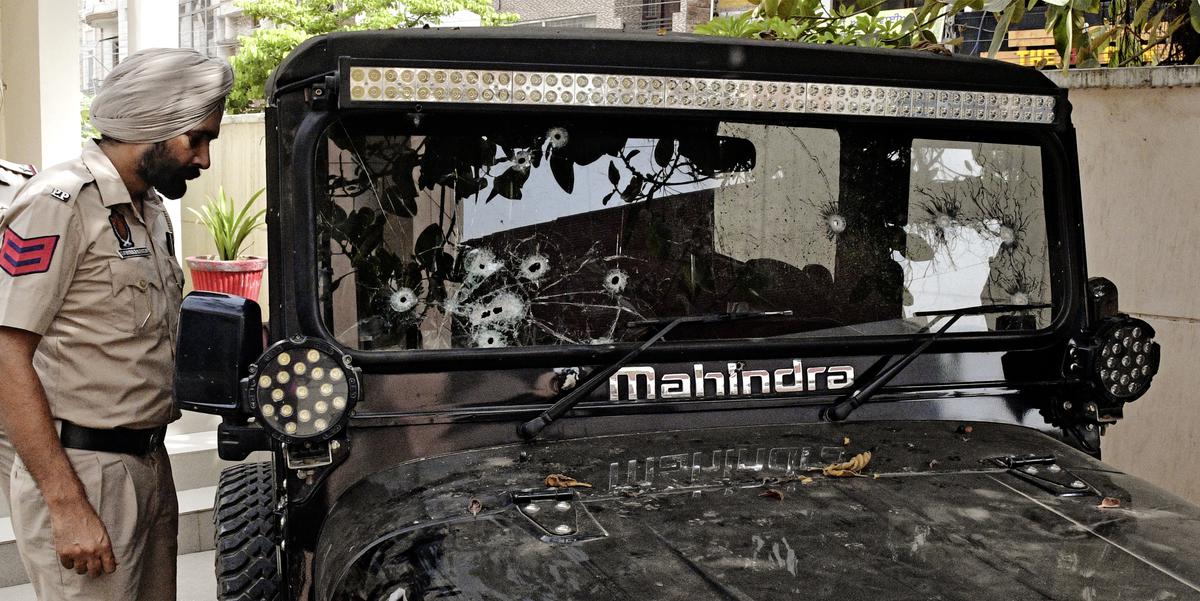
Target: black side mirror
220	336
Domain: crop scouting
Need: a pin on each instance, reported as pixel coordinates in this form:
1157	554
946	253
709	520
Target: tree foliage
1131	32
287	23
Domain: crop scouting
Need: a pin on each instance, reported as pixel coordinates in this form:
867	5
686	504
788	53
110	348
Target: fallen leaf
475	507
772	493
964	429
845	441
934	463
564	481
806	480
1109	502
850	468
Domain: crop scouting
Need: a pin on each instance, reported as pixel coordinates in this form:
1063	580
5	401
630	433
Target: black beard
165	175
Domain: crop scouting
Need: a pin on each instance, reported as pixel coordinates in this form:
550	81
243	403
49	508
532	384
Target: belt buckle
155	437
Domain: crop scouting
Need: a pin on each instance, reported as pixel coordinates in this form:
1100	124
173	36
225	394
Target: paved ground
196	582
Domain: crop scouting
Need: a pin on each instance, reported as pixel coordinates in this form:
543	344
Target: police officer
12	177
89	301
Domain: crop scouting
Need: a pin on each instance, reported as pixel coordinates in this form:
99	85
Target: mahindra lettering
560	315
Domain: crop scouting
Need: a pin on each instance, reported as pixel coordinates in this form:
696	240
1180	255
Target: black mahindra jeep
598	316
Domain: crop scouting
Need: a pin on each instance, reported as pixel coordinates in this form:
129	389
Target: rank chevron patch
22	256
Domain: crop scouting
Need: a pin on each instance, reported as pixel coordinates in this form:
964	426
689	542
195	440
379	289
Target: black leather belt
115	440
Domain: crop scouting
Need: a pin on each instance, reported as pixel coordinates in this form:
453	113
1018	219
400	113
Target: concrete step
196	469
195	582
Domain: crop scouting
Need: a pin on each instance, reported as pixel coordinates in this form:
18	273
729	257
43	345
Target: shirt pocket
137	298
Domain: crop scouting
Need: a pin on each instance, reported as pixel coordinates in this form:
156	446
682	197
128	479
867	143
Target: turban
159	93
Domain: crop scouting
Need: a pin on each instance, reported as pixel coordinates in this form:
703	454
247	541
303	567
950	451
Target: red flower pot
242	277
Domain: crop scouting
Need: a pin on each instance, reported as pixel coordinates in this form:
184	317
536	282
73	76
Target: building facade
630	15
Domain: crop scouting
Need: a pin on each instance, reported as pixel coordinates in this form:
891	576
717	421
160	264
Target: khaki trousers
6	462
135	498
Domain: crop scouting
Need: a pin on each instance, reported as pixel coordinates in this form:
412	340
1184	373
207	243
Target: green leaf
631	191
398	204
508	184
429	243
1194	13
228	226
664	150
1001	33
1063	31
1143	12
564	172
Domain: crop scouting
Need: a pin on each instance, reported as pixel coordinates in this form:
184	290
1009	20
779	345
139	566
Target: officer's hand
81	540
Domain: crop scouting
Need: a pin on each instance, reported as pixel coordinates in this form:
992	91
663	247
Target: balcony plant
229	270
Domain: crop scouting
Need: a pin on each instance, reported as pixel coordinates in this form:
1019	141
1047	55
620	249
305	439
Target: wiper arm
531	428
848	403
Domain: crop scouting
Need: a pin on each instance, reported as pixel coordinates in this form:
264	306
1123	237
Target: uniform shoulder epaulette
18	168
61	182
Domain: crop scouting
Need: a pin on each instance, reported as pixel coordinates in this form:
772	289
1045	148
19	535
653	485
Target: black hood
728	514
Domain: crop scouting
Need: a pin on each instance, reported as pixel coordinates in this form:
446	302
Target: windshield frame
1060	186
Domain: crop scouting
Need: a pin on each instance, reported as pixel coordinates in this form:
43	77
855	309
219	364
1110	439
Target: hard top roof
610	51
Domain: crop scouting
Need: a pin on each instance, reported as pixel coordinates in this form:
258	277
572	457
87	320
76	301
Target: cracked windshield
527	231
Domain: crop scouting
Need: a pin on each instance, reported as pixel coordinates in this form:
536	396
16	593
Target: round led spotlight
304	389
1125	358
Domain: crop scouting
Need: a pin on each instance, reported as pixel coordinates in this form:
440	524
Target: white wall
39	44
153	24
1139	164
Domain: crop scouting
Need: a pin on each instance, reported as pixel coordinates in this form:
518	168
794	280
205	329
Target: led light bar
469	86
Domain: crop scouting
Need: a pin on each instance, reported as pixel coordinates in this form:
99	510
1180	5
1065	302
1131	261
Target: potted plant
228	271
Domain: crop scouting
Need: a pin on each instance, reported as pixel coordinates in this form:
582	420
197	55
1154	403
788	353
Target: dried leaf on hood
1109	502
475	507
564	481
772	493
848	469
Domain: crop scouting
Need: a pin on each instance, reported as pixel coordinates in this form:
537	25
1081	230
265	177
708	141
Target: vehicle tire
246	535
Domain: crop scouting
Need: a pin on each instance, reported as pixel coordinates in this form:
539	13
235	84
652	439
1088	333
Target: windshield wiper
848	403
531	428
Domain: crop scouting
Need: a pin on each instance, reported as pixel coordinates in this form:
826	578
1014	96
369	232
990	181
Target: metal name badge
643	382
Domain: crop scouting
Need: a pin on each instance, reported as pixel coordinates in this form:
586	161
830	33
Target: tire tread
246	534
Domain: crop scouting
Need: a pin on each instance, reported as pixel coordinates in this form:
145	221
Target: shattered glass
501	232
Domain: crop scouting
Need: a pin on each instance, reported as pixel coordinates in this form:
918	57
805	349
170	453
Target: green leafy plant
228	226
1131	32
856	23
86	130
293	21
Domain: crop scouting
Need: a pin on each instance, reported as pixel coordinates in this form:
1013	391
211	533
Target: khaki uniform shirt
12	177
100	283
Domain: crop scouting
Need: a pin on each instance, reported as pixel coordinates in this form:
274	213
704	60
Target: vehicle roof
595	50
